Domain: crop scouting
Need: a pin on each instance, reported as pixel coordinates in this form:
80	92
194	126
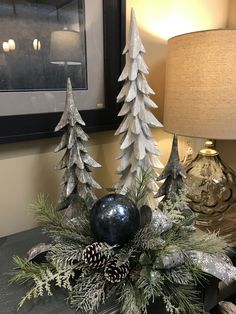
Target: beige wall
27	168
159	20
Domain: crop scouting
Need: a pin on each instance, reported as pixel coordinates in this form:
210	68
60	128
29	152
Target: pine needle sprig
65	254
132	300
41	277
48	216
210	243
175	214
180	210
45	211
148	239
140	188
82	221
24	270
150	282
180	299
126	253
199	277
88	293
180	275
55	224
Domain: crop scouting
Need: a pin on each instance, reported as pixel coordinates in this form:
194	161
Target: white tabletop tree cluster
77	179
139	149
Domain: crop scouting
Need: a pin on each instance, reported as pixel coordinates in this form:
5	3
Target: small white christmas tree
77	180
139	150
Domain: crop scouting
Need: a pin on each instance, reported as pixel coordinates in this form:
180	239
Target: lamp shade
65	47
200	93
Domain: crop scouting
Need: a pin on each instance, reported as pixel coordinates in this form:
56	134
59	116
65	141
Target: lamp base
211	188
205	220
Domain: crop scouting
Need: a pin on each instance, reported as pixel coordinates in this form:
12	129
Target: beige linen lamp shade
65	47
200	90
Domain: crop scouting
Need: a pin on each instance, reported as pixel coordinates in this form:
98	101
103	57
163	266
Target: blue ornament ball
114	219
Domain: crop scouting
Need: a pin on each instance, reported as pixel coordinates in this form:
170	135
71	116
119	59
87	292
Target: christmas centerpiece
119	246
95	256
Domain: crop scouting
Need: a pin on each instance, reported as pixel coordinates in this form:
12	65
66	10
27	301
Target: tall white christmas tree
139	149
77	179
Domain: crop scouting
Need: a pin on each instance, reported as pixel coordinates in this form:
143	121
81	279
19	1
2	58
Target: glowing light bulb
36	44
5	46
12	44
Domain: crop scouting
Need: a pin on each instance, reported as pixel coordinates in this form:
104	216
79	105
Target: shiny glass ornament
114	219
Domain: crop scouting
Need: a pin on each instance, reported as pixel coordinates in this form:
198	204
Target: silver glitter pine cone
93	256
115	273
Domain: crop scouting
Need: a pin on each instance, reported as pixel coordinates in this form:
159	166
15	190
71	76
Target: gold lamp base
211	186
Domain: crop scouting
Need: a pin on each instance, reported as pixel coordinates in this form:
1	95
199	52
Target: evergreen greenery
150	276
138	194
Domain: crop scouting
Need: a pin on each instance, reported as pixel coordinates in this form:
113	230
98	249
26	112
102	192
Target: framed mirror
44	42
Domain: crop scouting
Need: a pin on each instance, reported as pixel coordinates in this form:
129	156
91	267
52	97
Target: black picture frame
14	128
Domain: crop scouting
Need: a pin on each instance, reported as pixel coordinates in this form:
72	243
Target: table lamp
200	101
65	47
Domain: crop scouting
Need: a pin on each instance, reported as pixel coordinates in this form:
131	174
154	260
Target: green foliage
139	191
132	299
150	282
181	299
25	270
148	239
42	276
148	279
64	254
88	293
56	225
210	243
179	275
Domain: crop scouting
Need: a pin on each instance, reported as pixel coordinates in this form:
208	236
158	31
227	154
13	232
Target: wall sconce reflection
5	46
12	44
9	45
36	44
